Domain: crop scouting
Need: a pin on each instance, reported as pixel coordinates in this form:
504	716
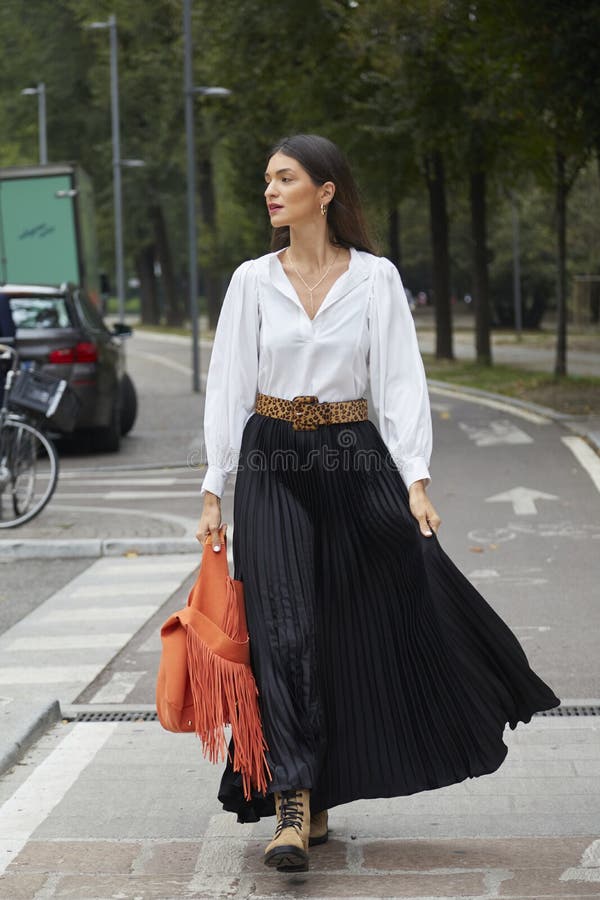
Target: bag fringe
225	692
231	623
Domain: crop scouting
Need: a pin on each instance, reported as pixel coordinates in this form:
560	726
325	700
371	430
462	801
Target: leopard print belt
306	413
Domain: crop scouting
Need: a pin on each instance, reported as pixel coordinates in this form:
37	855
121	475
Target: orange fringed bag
204	679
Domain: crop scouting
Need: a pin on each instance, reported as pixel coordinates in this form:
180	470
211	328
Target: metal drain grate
571	711
108	715
145	715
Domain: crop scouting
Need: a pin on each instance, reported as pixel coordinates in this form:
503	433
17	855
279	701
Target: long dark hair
324	161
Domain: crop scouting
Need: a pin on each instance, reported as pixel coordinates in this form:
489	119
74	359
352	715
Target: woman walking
381	670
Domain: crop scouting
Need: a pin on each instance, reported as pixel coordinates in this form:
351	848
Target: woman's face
292	196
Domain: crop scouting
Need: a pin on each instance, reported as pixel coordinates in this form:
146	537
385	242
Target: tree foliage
445	109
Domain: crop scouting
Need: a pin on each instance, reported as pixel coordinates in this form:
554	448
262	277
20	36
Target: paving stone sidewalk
142	821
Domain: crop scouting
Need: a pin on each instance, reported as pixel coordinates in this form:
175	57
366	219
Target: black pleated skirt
381	669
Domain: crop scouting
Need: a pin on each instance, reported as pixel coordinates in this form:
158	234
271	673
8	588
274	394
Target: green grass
573	394
132	306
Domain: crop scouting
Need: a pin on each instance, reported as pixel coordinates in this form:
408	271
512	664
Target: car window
89	314
40	312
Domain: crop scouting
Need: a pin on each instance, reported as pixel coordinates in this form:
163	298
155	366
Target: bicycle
28	458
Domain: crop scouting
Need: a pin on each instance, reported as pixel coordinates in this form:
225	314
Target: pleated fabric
381	669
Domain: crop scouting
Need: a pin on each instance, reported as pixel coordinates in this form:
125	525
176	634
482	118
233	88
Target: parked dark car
61	331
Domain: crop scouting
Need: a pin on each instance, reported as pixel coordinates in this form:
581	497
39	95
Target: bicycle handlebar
7	352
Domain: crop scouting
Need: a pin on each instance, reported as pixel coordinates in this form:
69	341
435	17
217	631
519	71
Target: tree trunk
173	307
436	186
560	366
211	279
481	292
394	233
144	264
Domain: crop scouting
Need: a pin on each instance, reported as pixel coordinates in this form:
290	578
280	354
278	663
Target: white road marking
114	589
35	799
147	565
522	498
221	857
483	574
589	868
101	613
585	456
153	644
500	431
521	577
44	642
112	482
537	529
492	404
68	641
189	525
117	688
532	628
163	360
33	674
128	495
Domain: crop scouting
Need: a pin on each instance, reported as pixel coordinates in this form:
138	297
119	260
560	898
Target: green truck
48	228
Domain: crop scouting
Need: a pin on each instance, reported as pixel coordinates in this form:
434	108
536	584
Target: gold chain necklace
315	286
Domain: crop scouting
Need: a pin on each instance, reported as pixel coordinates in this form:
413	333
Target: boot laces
291	812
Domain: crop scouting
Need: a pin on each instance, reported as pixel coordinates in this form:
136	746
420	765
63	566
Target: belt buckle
306	413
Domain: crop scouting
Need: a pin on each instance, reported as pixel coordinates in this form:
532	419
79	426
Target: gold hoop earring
323	209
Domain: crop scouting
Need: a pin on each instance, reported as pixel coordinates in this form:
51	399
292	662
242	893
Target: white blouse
363	331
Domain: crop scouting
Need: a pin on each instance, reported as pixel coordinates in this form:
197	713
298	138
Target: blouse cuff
214	481
413	470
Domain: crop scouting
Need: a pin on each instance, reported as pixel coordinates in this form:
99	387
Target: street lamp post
189	91
516	240
111	24
40	90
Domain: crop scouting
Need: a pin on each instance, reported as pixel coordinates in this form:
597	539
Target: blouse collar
356	272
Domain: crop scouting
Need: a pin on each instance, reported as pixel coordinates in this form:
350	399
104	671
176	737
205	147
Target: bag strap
209	593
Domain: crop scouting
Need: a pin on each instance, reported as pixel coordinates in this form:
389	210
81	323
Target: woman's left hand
423	509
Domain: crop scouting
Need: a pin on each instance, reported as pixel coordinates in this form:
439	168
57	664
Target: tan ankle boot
318	829
288	851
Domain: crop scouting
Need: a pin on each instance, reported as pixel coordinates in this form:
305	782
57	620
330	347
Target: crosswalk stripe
68	641
100	613
35	799
143	588
148	565
117	688
127	495
47	674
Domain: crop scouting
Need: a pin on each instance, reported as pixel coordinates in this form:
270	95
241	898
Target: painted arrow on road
522	498
500	431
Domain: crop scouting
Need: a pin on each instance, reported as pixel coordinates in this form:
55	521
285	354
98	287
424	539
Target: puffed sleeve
397	376
232	378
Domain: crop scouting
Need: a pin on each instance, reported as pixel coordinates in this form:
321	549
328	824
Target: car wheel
128	404
108	440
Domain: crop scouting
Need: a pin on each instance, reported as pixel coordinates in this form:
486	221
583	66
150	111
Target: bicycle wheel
28	472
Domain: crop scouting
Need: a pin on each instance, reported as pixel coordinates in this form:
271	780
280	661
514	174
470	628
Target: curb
545	411
40	548
577	425
27	732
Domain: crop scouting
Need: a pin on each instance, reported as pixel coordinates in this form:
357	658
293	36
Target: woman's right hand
210	521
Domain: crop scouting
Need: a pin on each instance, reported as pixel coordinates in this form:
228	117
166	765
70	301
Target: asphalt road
519	518
519	512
